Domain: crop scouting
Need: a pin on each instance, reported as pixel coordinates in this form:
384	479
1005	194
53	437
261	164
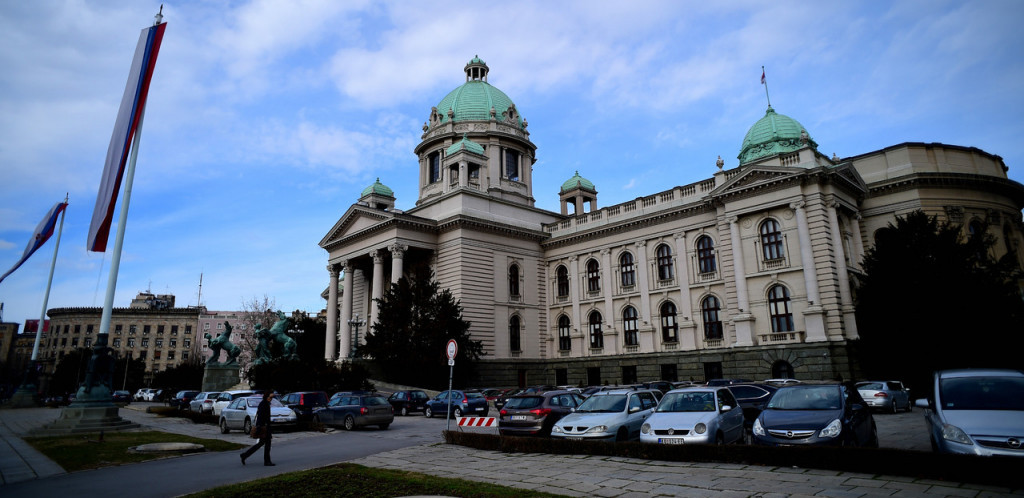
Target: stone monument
221	375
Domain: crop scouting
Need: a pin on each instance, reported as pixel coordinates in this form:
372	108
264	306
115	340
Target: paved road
414	443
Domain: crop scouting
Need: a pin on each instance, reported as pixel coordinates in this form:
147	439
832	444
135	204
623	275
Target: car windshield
609	403
874	386
982	393
806	398
688	402
374	401
526	402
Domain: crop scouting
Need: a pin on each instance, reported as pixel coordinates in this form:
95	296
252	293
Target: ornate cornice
643	221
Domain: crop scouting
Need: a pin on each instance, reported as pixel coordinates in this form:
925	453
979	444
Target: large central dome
477	99
772	135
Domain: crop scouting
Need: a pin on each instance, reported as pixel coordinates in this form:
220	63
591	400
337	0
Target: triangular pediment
755	176
356	219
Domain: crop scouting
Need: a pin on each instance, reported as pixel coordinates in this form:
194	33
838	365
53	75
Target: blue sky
266	119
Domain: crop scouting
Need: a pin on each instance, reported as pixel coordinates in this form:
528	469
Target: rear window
525	402
374	401
313	399
474	395
873	386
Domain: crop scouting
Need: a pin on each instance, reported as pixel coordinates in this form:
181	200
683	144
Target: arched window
513	281
596	336
781	369
627	269
593	276
709	309
562	275
434	164
669	327
975	228
778	307
771	240
629	326
664	255
513	334
564	340
706	255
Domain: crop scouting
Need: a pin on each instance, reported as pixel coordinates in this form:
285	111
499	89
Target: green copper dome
772	135
467	145
474	100
578	181
379	189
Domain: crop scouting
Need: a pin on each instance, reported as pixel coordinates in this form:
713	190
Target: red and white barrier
477	421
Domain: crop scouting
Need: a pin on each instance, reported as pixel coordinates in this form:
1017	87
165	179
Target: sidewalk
18	460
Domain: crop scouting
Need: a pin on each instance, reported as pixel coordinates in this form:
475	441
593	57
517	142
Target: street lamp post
355	322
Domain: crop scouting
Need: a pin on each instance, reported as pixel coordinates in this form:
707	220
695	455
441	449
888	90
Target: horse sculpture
278	332
222	342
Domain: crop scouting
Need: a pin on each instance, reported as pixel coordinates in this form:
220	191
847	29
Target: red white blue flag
128	116
762	76
40	236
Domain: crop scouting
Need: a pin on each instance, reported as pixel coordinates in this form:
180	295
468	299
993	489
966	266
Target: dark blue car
816	414
463	404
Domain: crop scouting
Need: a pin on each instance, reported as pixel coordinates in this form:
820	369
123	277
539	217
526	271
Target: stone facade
750	273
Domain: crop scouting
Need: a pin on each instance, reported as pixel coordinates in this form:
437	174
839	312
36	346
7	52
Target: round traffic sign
452	349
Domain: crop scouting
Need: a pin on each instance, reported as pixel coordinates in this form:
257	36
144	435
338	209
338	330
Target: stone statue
100	369
222	342
263	353
278	332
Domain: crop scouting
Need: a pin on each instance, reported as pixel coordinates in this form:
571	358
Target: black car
303	403
535	414
752	398
121	397
816	414
183	400
405	402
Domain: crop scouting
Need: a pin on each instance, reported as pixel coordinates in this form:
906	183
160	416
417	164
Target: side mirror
726	408
922	403
856	407
634	409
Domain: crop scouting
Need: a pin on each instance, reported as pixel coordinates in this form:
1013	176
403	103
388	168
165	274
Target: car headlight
700	428
645	429
598	428
758	429
955	434
832	429
556	428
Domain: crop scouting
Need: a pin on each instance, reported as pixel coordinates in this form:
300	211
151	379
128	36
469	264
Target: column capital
398	250
605	251
733	220
574	258
346	265
680	235
796	205
640	244
333	269
378	258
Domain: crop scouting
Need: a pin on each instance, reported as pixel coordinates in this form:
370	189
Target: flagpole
49	282
764	80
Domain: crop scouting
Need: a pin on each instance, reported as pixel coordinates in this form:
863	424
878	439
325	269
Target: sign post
451	350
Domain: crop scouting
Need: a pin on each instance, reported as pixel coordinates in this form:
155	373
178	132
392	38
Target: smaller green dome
578	181
772	135
379	189
467	145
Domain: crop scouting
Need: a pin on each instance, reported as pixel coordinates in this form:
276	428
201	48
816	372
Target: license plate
670	440
574	438
518	417
480	409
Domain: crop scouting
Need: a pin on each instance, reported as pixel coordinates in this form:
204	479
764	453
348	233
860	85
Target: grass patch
347	479
85	451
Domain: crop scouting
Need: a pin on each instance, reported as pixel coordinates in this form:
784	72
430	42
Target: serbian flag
762	76
128	116
40	236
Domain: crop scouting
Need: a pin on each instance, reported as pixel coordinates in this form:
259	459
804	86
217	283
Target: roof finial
159	16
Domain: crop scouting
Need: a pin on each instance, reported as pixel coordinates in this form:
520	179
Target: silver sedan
241	414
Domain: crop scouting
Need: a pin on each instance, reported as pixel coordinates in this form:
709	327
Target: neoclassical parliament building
750	273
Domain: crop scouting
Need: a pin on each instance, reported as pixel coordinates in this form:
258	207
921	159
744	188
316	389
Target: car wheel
404	411
893	410
316	419
748	438
719	440
910	406
622	435
427	412
247	426
873	443
458	412
350	423
224	426
384	427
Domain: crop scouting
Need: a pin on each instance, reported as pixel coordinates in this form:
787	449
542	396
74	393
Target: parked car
304	403
121	397
780	382
203	402
816	414
885	395
143	394
608	415
227	397
405	402
752	398
356	410
535	414
183	400
978	412
727	382
662	385
500	401
240	413
462	404
695	415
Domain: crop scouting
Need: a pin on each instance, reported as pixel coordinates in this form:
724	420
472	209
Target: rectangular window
188	330
184	355
145	329
67	328
174	343
88	342
117	342
669	372
131	343
159	330
511	165
206	326
629	374
434	167
593	376
142	354
132	329
145	342
561	376
159	343
88	329
118	329
187	342
170	355
174	330
712	370
78	329
74	342
156	354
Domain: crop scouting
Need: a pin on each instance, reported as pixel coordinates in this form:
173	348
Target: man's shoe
242	456
269	464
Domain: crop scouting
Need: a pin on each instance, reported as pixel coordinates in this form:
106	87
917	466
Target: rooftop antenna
765	83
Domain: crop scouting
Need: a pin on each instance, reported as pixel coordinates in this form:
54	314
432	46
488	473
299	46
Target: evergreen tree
933	299
415	321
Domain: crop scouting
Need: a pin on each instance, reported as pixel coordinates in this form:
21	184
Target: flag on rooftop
762	75
128	117
43	232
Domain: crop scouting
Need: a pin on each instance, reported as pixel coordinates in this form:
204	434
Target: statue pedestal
217	377
86	416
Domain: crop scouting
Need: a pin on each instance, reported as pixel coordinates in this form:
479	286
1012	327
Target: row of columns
338	341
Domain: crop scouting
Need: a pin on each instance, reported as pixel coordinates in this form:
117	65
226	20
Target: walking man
262	430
